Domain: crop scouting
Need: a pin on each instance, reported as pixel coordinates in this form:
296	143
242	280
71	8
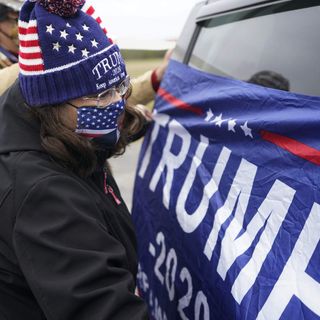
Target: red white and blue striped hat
65	52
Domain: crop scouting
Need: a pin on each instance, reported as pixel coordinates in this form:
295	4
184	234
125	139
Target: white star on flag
94	43
218	120
85	27
231	124
79	36
85	53
56	46
68	25
64	34
50	29
72	48
247	131
210	115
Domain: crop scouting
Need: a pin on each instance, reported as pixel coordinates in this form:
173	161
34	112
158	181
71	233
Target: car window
276	46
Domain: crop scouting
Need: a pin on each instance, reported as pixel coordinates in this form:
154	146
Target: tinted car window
278	42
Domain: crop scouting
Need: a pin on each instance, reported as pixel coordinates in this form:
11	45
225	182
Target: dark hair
270	79
73	150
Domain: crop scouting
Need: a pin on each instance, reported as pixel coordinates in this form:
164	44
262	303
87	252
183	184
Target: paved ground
124	170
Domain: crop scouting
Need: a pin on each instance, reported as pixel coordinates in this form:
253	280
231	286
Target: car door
227	203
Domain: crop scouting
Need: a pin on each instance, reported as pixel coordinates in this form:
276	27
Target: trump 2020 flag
227	201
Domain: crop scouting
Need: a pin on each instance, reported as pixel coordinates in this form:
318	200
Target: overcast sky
144	19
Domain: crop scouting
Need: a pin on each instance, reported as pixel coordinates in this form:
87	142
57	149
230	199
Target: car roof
213	7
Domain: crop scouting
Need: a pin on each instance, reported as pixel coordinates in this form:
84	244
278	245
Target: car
239	39
227	201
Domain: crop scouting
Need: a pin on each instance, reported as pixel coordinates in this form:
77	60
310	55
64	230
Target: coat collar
19	131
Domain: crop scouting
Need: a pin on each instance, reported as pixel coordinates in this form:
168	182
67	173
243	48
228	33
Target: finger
8	63
2	64
5	63
148	115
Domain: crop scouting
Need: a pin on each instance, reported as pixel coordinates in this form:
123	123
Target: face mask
100	124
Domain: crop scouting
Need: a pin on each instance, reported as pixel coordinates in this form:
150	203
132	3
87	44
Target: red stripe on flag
99	20
293	146
30	30
90	135
37	67
35	55
90	11
105	30
177	102
29	43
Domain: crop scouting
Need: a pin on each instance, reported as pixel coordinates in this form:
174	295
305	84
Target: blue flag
227	202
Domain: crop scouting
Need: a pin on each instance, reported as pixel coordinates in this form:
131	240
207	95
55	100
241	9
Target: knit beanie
65	52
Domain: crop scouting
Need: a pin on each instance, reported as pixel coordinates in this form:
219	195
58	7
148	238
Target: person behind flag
9	46
270	79
67	243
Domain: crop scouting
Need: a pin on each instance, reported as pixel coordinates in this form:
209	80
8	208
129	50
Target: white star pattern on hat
79	36
72	40
72	48
56	46
94	43
50	29
64	34
85	53
85	27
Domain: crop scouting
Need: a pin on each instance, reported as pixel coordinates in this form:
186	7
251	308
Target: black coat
67	250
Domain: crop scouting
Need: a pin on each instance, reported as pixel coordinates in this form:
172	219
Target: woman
67	244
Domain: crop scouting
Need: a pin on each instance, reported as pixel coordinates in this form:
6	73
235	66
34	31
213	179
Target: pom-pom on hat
65	52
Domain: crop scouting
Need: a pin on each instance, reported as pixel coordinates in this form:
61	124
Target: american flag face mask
102	123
